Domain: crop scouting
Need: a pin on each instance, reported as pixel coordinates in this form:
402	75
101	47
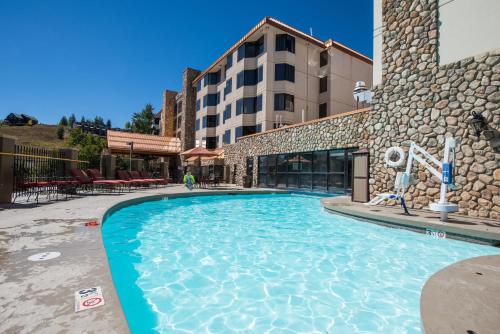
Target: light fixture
478	123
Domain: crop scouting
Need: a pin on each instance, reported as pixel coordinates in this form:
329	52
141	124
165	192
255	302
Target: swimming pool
268	263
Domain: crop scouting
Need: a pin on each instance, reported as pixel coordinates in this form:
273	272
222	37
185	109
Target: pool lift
402	181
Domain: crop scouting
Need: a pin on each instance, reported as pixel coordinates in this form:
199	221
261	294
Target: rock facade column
7	144
423	102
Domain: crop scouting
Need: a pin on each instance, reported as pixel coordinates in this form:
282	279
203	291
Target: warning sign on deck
436	233
88	298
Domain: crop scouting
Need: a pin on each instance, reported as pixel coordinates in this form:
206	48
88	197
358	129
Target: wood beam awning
143	144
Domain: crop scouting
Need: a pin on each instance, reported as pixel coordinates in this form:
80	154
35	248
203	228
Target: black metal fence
41	171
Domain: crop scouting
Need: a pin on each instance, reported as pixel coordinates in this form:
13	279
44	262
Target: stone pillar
168	114
188	109
137	164
6	168
108	166
69	153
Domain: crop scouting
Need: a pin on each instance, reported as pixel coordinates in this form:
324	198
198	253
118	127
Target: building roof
202	152
292	31
143	144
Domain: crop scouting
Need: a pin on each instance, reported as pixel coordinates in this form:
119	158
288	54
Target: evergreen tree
142	121
127	126
82	120
63	121
60	132
99	121
108	124
71	120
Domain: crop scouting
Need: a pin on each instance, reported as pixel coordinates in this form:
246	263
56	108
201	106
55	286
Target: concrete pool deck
38	297
474	229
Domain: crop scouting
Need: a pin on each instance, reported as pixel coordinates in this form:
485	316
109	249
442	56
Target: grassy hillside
37	135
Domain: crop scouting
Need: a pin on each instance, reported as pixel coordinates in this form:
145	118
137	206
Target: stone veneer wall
339	131
423	102
188	109
167	126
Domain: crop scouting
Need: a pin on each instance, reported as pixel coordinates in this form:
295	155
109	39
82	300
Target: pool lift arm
445	175
433	165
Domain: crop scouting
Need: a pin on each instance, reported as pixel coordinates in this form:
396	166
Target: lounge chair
147	176
95	175
125	175
86	182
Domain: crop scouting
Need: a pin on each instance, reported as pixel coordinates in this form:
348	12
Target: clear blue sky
110	58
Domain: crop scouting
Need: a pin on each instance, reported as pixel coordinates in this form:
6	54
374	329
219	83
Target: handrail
40	156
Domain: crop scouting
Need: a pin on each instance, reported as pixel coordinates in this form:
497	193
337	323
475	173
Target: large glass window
197	124
241	131
284	72
248	105
283	101
319	170
211	100
211	143
211	78
198	105
246	78
285	42
198	85
251	49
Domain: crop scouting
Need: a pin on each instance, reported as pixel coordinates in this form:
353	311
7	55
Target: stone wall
168	114
188	109
339	131
424	103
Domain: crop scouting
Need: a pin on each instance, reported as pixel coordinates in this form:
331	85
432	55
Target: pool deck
38	297
475	229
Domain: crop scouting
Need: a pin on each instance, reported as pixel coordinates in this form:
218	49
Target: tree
98	120
142	121
63	121
82	120
108	124
127	126
60	132
89	146
71	120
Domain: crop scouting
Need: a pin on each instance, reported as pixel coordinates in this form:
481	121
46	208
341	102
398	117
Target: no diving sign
88	298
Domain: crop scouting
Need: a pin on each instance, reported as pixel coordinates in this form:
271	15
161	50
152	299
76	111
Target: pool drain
44	256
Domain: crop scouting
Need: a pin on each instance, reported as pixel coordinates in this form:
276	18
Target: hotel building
275	76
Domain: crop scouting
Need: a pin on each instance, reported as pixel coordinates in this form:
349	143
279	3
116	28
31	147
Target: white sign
44	256
436	233
88	298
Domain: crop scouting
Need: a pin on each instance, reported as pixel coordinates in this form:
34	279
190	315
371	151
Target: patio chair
95	175
135	175
86	182
125	175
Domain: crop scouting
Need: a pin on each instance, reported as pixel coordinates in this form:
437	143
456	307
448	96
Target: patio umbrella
200	152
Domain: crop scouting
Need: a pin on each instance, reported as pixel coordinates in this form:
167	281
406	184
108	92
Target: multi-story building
275	75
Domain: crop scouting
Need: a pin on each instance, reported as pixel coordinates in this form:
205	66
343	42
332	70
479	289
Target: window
211	143
226	114
197	124
226	137
249	105
260	74
284	72
319	170
322	110
283	101
246	78
211	78
285	42
251	49
247	130
198	105
198	85
210	121
211	100
258	103
229	87
323	58
323	84
229	61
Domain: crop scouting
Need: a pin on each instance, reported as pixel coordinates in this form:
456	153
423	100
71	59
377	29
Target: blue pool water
268	264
